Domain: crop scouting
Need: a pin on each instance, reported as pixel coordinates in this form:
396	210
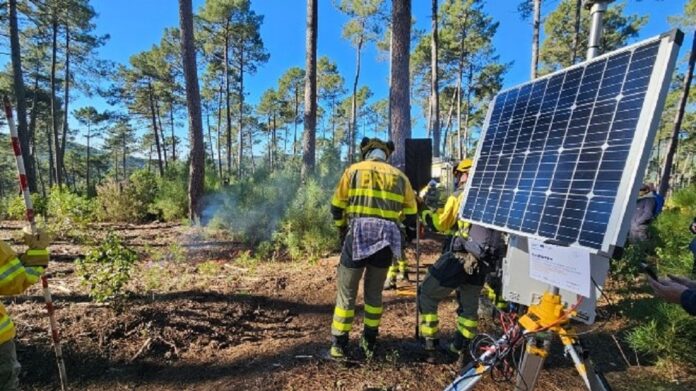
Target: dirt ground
203	316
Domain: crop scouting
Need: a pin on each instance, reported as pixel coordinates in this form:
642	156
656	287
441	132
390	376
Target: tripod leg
417	278
594	379
535	354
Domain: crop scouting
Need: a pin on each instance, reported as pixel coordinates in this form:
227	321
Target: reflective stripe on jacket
373	188
15	278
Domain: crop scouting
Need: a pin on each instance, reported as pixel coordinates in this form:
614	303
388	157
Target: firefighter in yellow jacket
476	249
16	275
371	200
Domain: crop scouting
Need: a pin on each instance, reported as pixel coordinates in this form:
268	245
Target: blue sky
135	26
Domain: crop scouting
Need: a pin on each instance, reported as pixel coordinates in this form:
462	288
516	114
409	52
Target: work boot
339	347
368	344
460	348
457	344
431	346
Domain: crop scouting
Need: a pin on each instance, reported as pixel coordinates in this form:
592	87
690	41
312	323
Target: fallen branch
621	350
142	349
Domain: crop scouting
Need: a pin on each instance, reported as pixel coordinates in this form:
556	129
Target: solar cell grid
554	150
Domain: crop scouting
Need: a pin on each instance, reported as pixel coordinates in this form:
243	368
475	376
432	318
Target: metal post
597	9
418	227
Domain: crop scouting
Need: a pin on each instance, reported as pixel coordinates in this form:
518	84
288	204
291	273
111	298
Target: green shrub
68	207
13	208
307	229
171	201
107	269
130	201
666	331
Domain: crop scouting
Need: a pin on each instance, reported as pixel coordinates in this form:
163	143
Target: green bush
130	201
13	208
107	269
171	201
68	207
307	229
666	331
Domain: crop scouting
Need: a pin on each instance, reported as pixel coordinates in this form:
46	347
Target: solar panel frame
637	155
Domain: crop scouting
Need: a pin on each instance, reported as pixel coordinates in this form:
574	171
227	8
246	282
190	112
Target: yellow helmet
464	165
367	144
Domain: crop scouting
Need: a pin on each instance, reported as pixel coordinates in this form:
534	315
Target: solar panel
559	156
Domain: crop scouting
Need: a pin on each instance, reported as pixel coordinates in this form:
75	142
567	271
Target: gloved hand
470	264
35	258
36	255
38	240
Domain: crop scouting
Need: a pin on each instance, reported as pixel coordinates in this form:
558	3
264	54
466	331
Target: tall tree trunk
124	157
333	122
57	159
161	129
674	141
210	134
89	137
310	98
66	96
23	131
434	87
171	121
251	152
352	125
399	98
536	23
155	132
467	113
33	115
576	32
240	145
51	157
193	103
448	122
274	150
227	98
219	128
294	120
460	71
269	144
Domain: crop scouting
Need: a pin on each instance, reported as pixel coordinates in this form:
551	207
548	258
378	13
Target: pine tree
363	27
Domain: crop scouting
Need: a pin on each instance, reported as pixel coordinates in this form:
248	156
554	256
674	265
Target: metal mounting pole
597	9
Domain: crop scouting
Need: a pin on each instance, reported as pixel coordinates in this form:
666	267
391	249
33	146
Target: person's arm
410	210
17	275
339	202
448	217
645	213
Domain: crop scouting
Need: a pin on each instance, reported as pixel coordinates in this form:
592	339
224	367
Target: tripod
541	322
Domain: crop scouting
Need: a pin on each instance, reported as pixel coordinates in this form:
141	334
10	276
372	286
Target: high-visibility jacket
373	188
446	220
15	278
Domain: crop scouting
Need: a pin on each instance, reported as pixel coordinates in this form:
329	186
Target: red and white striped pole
24	187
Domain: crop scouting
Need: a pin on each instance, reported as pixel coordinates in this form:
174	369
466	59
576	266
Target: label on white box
563	267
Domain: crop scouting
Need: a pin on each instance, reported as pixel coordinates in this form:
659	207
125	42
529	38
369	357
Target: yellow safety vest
374	188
